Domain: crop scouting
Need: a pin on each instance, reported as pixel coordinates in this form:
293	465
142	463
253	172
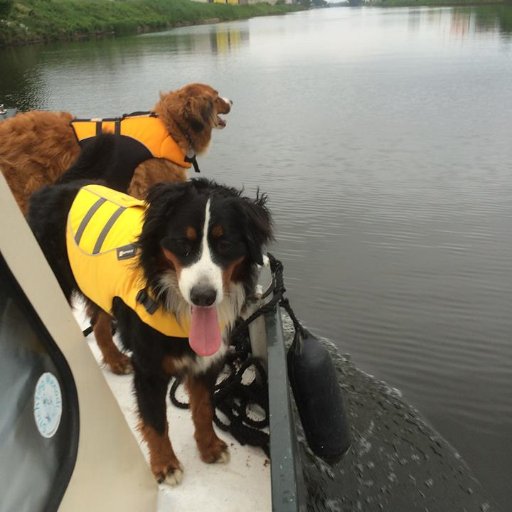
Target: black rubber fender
318	397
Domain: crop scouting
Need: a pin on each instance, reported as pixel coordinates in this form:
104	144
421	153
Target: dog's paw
174	478
223	457
169	475
120	365
215	452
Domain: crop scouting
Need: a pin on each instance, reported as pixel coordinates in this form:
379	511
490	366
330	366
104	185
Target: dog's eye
224	246
182	246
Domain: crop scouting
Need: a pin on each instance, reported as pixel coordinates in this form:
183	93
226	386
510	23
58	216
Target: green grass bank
33	21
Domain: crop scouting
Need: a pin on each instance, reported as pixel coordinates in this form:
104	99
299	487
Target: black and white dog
196	252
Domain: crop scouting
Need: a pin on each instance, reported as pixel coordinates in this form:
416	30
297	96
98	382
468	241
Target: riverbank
36	21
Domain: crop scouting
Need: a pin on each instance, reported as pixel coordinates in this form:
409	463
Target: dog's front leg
151	391
118	362
211	448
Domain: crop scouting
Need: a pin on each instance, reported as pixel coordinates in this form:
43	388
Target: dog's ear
257	225
198	112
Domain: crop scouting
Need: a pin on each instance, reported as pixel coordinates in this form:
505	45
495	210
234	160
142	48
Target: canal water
383	139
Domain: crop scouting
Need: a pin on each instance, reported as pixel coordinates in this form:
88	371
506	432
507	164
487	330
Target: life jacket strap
143	298
193	160
117	126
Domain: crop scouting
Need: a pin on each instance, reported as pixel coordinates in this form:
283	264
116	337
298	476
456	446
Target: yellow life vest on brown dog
147	133
103	226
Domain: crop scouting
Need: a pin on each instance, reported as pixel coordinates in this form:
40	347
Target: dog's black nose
202	295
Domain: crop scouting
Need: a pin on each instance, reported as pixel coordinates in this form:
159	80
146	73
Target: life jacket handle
139	113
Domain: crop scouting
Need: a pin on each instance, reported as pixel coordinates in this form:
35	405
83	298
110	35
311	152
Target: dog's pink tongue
204	336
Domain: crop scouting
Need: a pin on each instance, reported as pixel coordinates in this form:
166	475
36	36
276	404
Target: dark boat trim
286	471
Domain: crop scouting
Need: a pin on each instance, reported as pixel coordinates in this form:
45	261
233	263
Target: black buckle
149	304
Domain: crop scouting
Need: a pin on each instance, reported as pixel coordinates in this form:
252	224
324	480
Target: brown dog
37	148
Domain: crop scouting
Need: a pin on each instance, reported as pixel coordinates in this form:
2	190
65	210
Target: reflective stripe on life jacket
147	134
103	227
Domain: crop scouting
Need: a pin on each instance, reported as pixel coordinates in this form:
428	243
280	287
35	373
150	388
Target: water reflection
480	20
20	75
463	22
227	39
216	38
492	18
486	19
54	76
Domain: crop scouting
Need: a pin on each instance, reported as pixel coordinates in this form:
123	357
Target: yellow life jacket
103	226
147	134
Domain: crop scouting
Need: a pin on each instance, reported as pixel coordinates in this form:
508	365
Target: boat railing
286	473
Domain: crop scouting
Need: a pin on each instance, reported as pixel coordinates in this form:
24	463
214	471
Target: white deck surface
240	485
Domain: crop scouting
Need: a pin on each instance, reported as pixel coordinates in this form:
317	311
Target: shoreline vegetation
41	21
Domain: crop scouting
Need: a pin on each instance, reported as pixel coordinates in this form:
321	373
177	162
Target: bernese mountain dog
178	281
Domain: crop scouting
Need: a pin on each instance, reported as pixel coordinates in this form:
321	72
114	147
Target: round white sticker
47	405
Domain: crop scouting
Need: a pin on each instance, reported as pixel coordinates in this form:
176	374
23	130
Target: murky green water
383	140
